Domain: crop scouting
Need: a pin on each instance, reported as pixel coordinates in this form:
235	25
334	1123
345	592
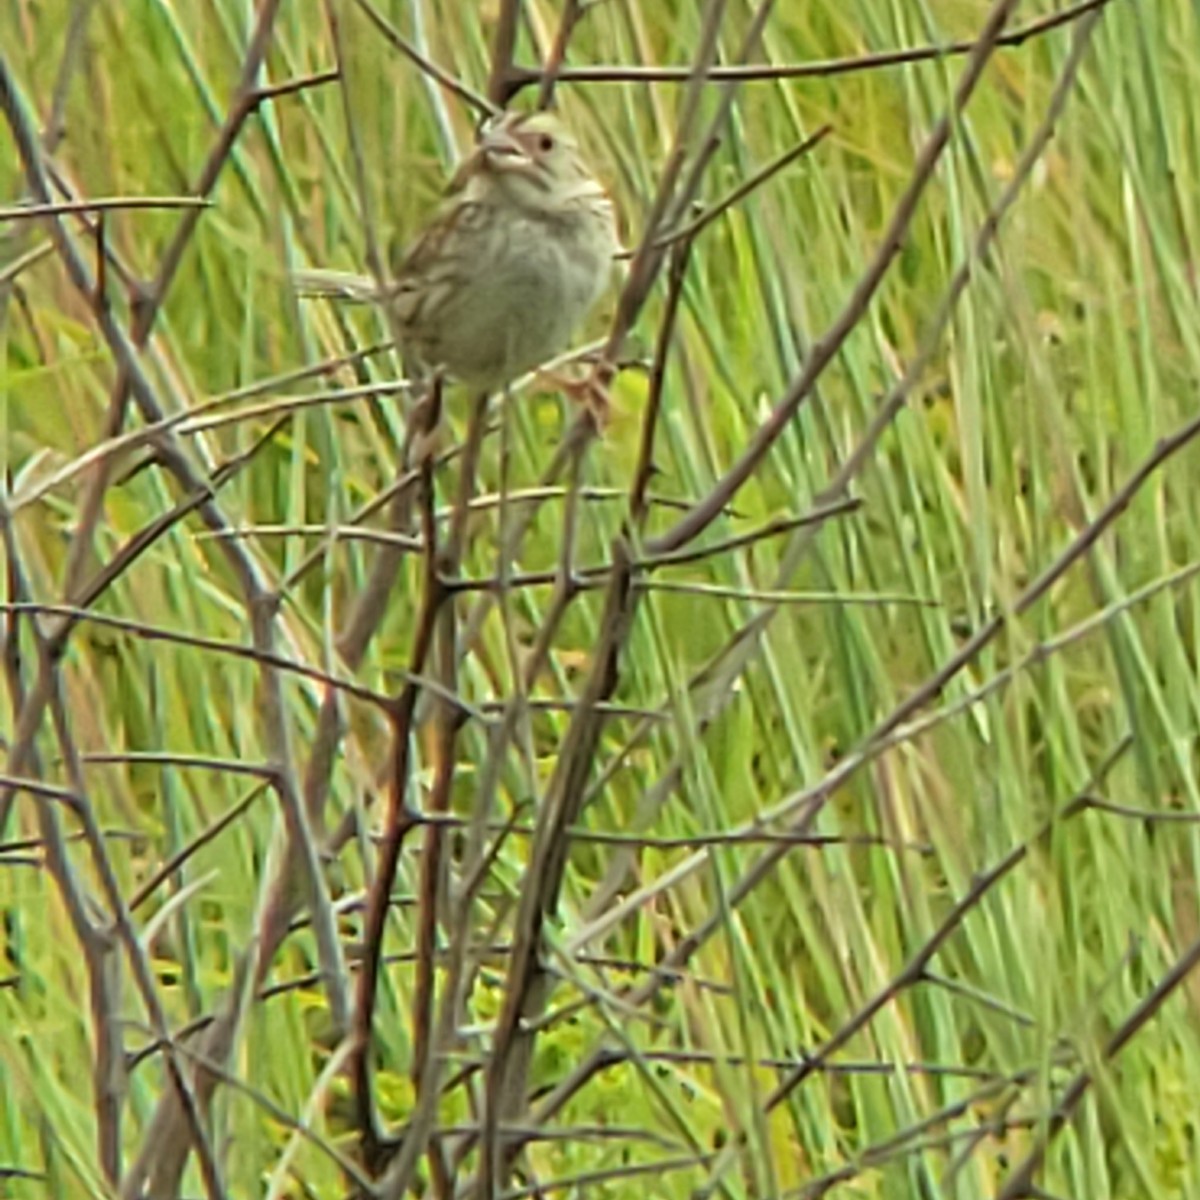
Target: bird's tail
336	285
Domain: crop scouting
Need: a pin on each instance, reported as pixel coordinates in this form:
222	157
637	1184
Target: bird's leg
591	392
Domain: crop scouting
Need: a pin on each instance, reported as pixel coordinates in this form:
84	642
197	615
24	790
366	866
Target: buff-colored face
533	157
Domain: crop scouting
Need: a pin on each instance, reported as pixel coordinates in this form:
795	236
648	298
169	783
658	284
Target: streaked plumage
510	265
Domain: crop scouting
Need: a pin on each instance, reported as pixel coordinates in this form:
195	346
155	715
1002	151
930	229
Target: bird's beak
500	150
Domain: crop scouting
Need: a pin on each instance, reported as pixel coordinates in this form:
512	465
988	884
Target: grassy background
1072	353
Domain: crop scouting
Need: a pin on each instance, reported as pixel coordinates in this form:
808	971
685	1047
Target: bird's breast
527	293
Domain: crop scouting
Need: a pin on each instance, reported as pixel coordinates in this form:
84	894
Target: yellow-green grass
1071	354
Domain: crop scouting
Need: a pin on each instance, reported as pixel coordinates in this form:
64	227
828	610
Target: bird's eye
545	143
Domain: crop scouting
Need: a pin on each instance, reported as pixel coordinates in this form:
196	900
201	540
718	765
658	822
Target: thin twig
772	72
826	348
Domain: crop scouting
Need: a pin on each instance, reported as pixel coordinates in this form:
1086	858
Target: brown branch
245	101
825	348
202	839
160	1173
526	981
644	268
720	677
748	186
914	970
433	883
480	103
398	818
95	943
288	87
118	913
504	45
156	633
478	857
645	469
1019	1183
573	11
523	77
803	806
